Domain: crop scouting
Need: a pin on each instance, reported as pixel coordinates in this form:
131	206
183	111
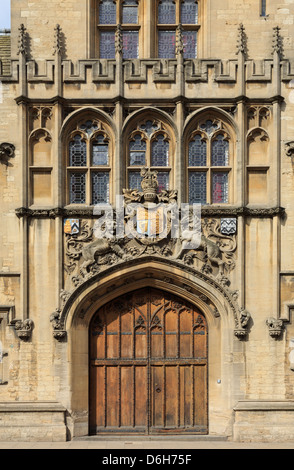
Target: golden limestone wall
250	379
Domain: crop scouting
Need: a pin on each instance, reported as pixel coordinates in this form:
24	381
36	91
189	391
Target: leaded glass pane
149	127
166	44
107	12
189	12
159	151
220	151
137	151
197	187
107	45
130	12
77	192
100	187
130	44
166	12
89	127
209	127
99	151
220	187
163	180
77	152
135	180
190	44
197	152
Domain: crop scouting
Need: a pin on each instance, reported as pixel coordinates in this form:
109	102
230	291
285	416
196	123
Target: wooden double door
148	366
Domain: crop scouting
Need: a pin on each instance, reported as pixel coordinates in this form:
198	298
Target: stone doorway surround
218	306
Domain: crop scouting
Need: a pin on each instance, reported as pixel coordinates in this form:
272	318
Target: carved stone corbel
242	324
24	328
6	152
59	332
275	326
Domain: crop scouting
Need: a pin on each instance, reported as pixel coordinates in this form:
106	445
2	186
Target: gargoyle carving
289	146
6	152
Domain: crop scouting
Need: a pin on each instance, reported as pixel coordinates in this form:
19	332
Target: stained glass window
107	45
137	151
159	151
197	151
220	151
99	151
130	12
190	44
100	187
77	188
220	188
135	180
107	12
166	44
130	44
77	152
197	187
189	12
163	180
166	12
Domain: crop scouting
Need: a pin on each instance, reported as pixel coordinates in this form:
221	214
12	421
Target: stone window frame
99	28
89	168
163	129
210	169
172	27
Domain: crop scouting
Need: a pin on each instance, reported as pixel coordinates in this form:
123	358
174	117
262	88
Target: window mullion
209	174
119	11
88	175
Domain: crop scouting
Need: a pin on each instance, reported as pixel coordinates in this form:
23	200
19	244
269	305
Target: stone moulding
163	70
241	316
53	213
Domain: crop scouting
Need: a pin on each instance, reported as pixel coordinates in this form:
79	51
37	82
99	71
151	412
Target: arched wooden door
148	366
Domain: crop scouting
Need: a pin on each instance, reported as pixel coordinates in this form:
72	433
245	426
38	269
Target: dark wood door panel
148	365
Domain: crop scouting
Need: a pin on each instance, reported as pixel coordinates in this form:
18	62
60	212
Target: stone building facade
130	114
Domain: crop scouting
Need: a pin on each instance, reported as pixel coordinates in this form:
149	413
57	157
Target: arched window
125	13
171	13
149	145
209	164
88	171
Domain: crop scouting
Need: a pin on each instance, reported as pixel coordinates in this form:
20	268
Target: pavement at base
145	444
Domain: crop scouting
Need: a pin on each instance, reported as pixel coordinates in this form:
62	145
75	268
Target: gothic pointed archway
148	365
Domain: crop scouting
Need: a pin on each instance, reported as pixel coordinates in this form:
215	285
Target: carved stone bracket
275	326
59	332
6	152
23	328
242	323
